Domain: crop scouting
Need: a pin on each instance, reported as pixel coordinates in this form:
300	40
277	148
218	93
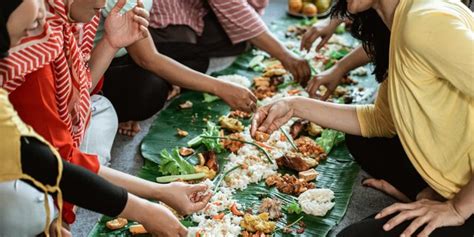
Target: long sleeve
35	103
78	185
446	42
376	120
239	18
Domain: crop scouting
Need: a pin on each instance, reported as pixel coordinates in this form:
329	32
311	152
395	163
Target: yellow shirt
428	98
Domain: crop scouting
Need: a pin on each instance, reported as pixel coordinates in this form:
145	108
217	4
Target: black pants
135	93
385	158
183	45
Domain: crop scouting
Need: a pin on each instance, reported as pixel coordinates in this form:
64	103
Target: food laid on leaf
264	185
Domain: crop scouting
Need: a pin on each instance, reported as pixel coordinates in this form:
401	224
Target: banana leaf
337	173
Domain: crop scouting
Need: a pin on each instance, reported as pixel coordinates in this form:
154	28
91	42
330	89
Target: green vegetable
341	29
339	53
293	207
174	164
212	144
290	139
267	155
308	21
171	178
221	177
329	64
287	84
208	98
330	138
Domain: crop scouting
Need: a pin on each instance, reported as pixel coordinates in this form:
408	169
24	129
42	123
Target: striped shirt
239	18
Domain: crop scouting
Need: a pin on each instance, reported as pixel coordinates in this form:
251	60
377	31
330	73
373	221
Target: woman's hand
329	79
122	30
271	117
237	97
160	221
184	197
316	31
297	66
433	214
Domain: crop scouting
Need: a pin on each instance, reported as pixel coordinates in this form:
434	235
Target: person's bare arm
146	56
176	195
336	116
332	77
120	30
297	66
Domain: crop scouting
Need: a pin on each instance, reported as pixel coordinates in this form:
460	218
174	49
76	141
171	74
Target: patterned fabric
239	18
67	47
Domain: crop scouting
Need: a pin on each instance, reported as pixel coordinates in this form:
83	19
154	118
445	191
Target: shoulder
429	21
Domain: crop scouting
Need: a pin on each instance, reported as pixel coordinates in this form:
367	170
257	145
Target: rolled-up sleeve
239	18
376	120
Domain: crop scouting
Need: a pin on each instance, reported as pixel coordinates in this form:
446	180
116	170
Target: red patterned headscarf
67	47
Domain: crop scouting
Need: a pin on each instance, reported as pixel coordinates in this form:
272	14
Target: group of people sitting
74	72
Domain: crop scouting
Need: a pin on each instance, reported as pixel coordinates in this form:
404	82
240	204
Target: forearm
132	184
358	57
145	55
328	115
463	202
268	43
135	208
101	57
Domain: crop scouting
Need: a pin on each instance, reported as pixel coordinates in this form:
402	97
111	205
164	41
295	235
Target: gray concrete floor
126	158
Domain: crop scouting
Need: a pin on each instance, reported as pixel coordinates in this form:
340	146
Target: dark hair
369	28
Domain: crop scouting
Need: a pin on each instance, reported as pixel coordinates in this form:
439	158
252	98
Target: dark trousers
182	44
384	158
135	93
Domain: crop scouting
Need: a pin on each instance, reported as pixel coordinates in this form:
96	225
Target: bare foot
429	193
175	91
130	128
385	187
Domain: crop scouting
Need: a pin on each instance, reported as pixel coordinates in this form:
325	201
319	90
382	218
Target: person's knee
355	145
21	201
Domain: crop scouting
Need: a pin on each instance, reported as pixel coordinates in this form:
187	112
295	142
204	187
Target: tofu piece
308	175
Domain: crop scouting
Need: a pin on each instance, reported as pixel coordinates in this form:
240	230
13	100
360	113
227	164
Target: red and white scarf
67	47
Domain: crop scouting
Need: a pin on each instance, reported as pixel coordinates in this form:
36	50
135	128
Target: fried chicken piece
255	223
211	160
261	82
271	72
296	161
231	124
233	146
272	207
263	92
239	114
308	147
289	184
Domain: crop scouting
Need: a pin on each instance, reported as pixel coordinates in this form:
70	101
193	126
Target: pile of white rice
316	202
236	79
